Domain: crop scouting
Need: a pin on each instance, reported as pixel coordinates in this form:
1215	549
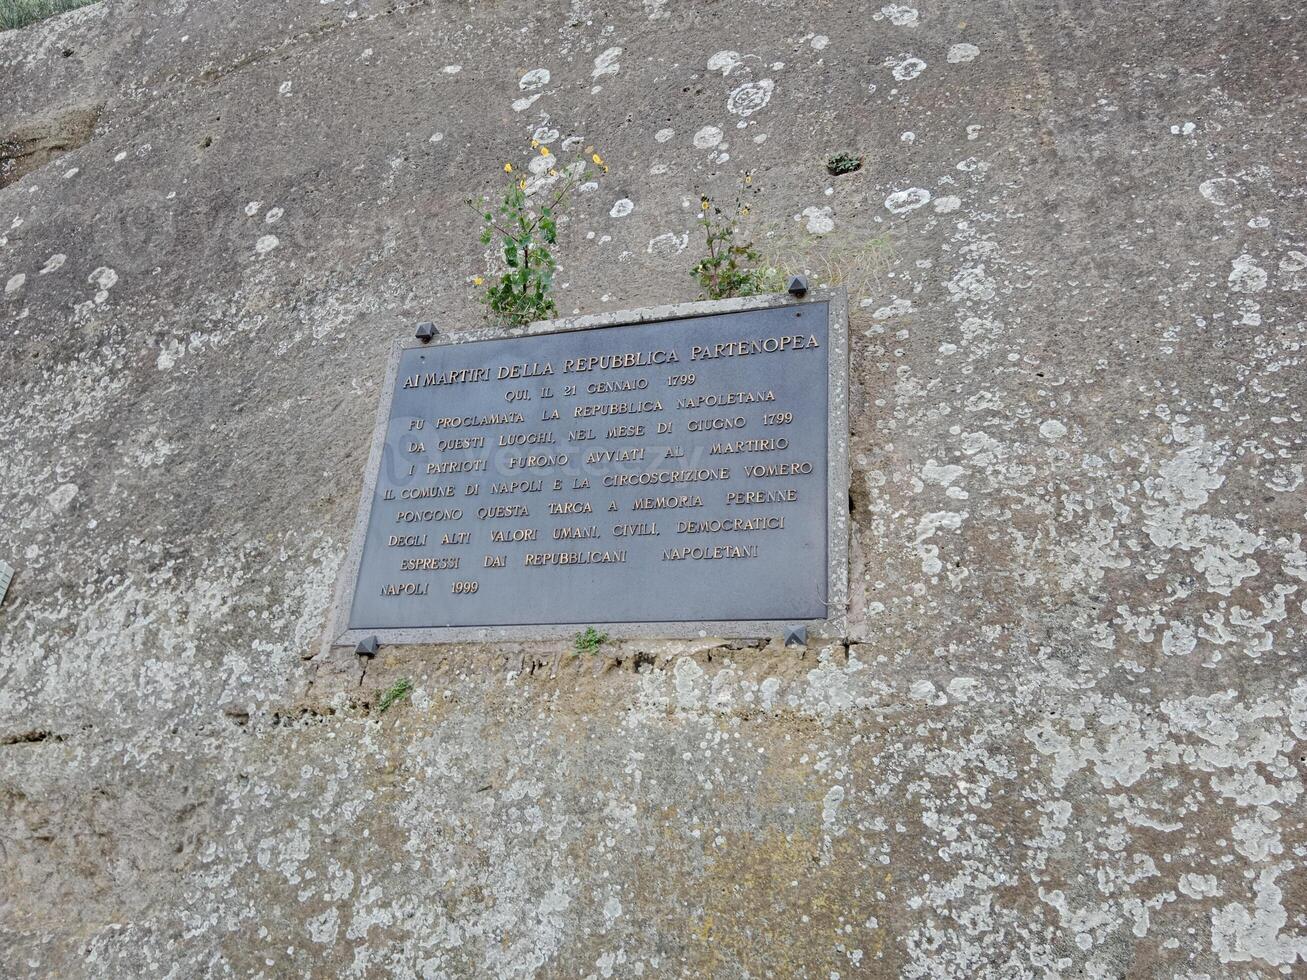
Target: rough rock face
1068	735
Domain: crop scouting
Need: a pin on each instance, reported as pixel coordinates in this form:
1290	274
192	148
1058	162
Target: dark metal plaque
669	477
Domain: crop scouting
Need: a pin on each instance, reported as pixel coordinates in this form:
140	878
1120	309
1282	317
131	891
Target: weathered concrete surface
1069	735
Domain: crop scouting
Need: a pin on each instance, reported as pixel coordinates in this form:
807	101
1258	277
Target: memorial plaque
671	472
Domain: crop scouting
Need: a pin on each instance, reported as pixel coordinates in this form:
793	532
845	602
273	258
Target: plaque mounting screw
426	330
368	647
797	286
796	636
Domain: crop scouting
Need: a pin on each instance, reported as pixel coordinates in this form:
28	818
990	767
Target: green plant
843	163
730	267
524	291
20	13
590	641
397	692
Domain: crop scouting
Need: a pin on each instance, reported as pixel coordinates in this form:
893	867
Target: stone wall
1068	734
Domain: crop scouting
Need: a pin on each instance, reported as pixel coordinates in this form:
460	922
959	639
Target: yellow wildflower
521	185
477	280
597	159
544	151
534	144
744	210
508	168
552	172
703	203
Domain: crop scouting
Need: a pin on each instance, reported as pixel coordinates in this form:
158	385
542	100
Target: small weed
843	163
20	13
525	292
398	692
590	641
730	268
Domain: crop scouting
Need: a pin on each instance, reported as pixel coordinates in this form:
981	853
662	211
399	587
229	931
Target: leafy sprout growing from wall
525	223
731	265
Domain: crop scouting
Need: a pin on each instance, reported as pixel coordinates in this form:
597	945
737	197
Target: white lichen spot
452	69
905	67
750	97
1179	640
830	806
820	221
534	79
53	263
1246	276
524	103
941	474
819	42
266	244
607	63
1219	190
972	284
273	216
663	135
15	283
896	307
1285	478
899	15
924	690
322	928
622	208
252	208
962	53
612	909
901	202
169	351
1255	840
668	243
963	688
724	61
926	528
707	138
1240	936
104	278
1052	429
59	498
947	204
1199	886
1293	262
687	675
